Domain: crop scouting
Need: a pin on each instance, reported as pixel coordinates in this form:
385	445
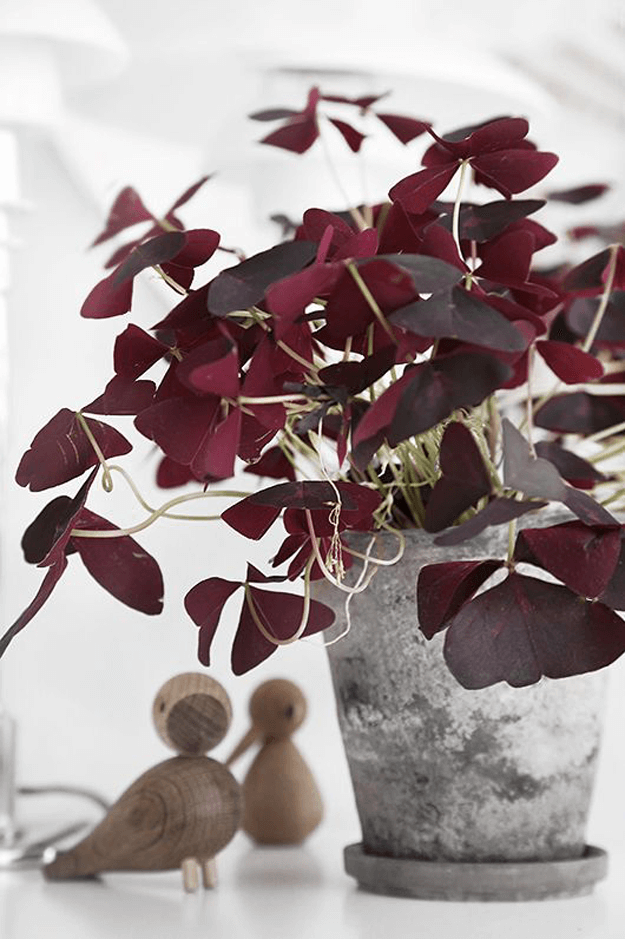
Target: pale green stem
107	482
605	298
305	612
169	280
455	219
123	532
372	302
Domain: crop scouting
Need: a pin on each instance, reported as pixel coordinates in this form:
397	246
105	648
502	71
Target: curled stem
256	616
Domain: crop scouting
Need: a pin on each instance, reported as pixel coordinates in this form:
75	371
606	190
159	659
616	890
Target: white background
81	678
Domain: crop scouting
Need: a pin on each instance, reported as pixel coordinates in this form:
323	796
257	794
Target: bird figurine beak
244	744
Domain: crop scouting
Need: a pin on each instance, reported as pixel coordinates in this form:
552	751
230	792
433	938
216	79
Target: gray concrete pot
461	794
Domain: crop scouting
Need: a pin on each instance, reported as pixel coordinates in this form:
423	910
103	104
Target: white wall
81	677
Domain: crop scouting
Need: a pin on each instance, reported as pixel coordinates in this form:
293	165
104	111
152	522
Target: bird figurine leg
209	873
190	878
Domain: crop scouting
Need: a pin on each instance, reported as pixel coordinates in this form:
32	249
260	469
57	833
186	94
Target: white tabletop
286	893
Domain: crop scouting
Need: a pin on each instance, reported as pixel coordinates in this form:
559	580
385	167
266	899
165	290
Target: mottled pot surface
442	773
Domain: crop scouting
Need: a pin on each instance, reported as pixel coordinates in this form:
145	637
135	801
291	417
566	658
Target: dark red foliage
525	628
361	335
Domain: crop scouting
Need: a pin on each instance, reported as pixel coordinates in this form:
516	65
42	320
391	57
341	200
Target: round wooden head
277	708
192	713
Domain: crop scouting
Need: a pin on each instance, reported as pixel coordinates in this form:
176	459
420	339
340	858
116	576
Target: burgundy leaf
273	464
123	396
298	135
352	137
500	133
569	363
61	451
525	628
428	274
580	413
45	540
244	285
581	557
136	351
162	248
212	368
200	244
170	474
204	604
179	425
281	614
120	565
512	171
443	589
188	194
614	593
531	475
464	478
49	583
574	469
459	314
215	458
587	510
273	114
251	519
404	128
417	191
356	376
127	210
579	194
588	276
483	222
496	512
437	388
108	298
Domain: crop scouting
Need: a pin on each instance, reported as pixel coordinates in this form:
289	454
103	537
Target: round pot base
455	880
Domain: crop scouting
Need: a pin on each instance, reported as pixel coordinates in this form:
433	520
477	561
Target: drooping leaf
281	614
170	474
496	512
273	464
533	476
464	478
588	510
588	276
120	565
443	589
61	451
179	425
614	593
108	298
352	137
204	604
572	468
483	222
215	457
580	413
50	581
404	128
136	351
244	285
525	628
428	274
581	557
569	363
578	194
45	540
127	210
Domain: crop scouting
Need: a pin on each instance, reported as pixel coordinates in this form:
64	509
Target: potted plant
384	367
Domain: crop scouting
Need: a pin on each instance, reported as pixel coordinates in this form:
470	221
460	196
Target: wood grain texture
185	807
192	713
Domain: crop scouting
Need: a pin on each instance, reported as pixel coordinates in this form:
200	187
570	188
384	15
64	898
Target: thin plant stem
605	298
107	482
455	218
372	302
256	616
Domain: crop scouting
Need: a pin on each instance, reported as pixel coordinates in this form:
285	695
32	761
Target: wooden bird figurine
282	803
180	813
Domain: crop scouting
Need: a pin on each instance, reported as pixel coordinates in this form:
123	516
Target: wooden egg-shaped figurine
282	802
180	813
